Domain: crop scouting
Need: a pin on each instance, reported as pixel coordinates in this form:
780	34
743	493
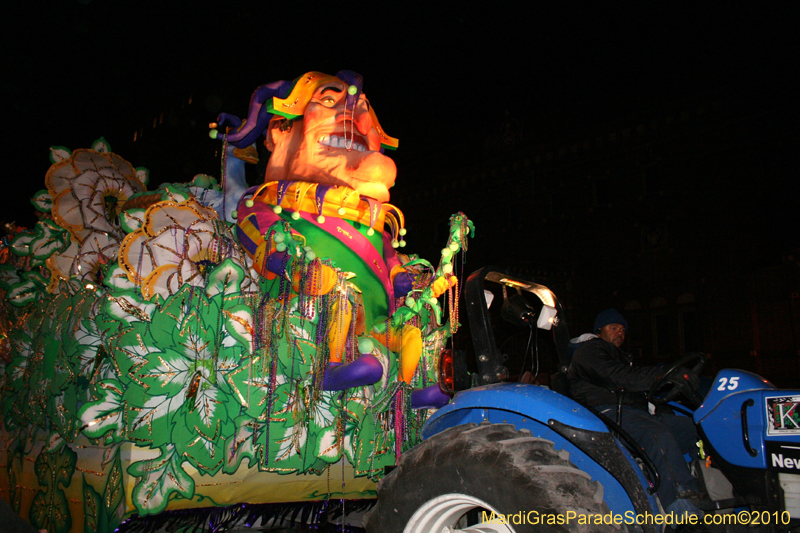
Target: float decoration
190	347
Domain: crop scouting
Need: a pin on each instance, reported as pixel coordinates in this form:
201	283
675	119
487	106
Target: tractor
512	457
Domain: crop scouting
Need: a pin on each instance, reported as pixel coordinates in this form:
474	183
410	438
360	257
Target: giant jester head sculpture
320	129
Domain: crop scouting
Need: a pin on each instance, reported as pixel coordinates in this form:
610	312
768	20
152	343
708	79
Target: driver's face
332	144
613	333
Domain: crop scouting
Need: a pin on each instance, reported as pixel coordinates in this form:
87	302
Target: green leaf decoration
62	412
8	276
335	427
49	360
116	278
250	384
280	446
328	445
21	244
297	348
37	277
18	372
101	145
324	411
289	439
201	434
130	351
105	417
143	174
56	368
373	447
171	315
182	393
170	372
94	517
102	512
150	419
114	493
59	153
225	279
15	492
89	358
159	478
127	306
244	443
50	509
26	292
174	192
239	325
402	315
357	408
42	201
27	410
48	239
131	219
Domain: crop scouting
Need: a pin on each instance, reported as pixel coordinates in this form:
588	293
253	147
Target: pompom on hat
609	316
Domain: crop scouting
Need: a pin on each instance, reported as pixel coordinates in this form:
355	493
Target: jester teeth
334	141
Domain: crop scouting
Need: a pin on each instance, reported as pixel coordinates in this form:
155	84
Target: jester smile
334	141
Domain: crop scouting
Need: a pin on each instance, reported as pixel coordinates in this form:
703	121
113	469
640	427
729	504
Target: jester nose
362	120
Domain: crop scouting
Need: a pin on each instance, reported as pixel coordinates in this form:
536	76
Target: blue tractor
511	457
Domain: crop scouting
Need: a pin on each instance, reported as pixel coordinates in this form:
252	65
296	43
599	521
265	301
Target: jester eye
327	101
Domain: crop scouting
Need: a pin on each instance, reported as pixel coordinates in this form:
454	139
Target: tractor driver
599	368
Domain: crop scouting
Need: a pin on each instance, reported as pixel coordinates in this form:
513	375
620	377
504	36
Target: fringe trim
319	516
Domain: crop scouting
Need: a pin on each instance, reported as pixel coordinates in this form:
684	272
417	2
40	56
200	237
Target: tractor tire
445	484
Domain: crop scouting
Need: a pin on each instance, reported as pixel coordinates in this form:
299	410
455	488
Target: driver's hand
684	376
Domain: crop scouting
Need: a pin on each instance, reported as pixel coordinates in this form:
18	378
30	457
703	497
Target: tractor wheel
455	480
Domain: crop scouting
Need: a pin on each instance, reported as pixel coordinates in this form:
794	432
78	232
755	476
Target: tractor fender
536	403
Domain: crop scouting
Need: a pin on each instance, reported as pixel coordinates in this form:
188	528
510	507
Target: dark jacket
598	368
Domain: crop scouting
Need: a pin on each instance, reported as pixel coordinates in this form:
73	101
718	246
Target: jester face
334	143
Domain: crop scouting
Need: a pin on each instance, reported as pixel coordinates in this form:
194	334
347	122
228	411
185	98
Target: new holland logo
779	461
783	456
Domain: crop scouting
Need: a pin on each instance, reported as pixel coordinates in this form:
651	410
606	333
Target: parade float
205	350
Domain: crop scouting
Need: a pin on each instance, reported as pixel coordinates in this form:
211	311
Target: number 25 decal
731	385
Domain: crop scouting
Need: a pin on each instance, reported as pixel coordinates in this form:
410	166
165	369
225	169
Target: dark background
635	155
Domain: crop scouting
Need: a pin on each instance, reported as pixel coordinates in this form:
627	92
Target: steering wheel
676	389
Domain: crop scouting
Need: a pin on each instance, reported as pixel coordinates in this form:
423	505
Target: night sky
440	76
